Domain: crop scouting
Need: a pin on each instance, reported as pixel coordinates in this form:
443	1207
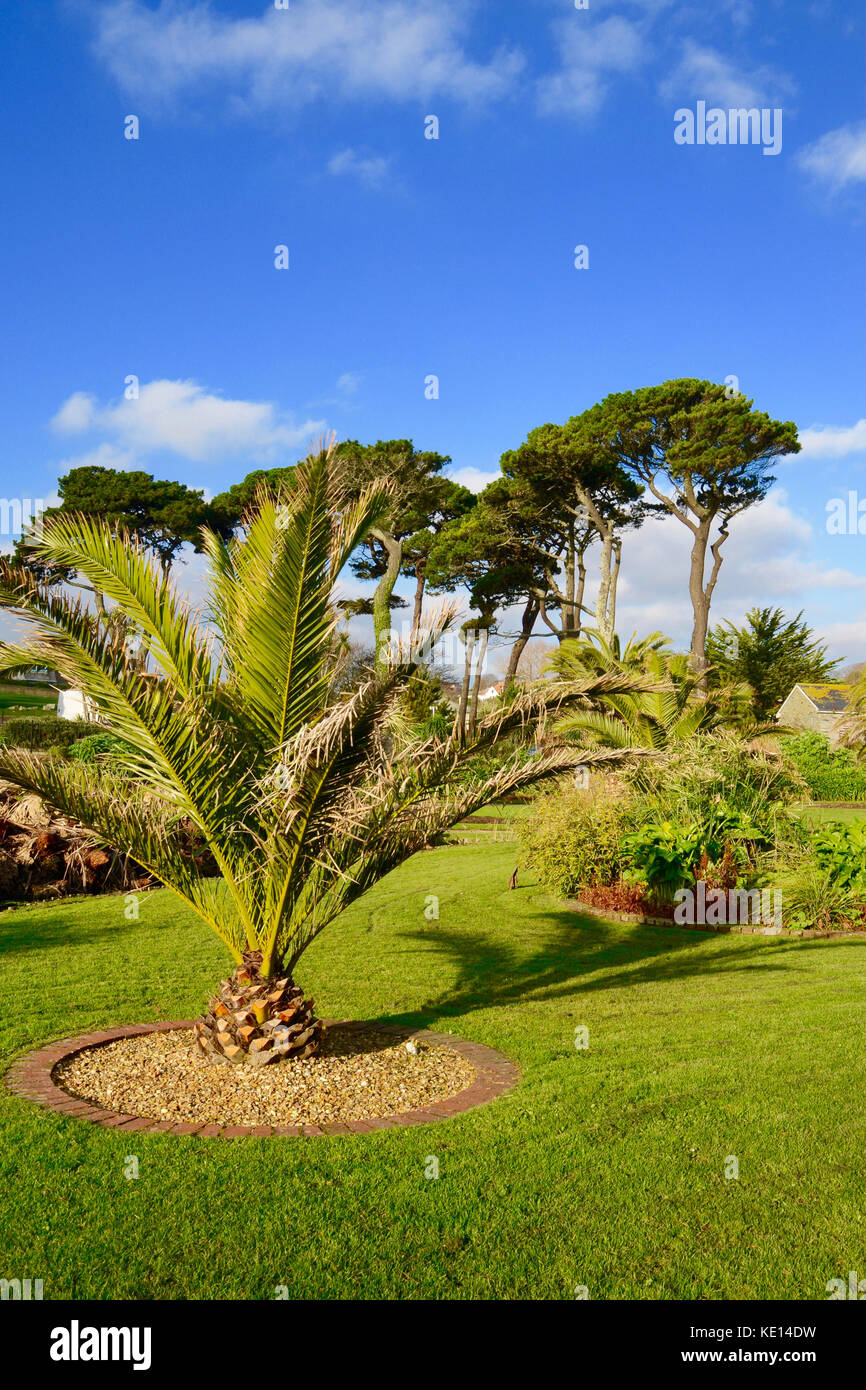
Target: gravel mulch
357	1075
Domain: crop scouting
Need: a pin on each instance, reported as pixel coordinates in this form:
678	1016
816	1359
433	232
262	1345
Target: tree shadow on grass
586	955
37	936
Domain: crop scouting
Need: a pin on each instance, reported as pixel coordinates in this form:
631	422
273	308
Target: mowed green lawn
821	815
605	1168
14	695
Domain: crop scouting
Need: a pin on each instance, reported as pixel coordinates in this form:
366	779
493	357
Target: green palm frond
302	797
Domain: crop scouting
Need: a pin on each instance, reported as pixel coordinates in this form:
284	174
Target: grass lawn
820	815
33	697
604	1167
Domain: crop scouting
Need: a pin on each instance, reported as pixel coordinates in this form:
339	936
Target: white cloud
474	478
335	49
837	158
847	637
834	441
768	562
76	414
588	54
103	456
344	393
703	74
187	420
370	169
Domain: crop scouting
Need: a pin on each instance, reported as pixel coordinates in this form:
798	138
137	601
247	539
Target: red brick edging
31	1076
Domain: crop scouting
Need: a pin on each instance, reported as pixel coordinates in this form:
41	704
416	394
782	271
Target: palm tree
296	787
670	709
595	653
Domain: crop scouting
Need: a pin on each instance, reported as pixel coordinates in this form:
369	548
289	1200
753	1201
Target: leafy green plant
831	774
670	711
814	897
662	855
96	747
670	854
840	851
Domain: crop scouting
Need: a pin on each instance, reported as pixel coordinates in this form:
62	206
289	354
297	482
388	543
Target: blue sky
410	257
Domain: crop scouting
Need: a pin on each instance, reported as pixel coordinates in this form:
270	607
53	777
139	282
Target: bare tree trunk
614	580
470	635
701	593
530	613
382	597
569	613
476	688
419	601
602	607
581	586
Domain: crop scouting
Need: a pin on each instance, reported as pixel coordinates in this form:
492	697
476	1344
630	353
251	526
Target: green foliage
482	551
839	850
813	897
831	774
712	447
97	747
303	797
717	766
666	855
672	713
160	515
768	653
710	805
574	840
662	855
44	733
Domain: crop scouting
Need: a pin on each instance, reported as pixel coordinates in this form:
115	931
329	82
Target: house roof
831	697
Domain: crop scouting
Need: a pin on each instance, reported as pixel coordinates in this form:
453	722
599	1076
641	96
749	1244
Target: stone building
815	707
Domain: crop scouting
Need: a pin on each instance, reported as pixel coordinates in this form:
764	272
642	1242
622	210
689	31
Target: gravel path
357	1075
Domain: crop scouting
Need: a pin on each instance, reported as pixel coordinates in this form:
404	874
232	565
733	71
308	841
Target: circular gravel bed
141	1077
359	1074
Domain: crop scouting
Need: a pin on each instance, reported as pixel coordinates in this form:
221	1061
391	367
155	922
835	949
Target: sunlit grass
604	1168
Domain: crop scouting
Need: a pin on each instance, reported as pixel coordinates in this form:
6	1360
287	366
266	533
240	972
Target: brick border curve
31	1077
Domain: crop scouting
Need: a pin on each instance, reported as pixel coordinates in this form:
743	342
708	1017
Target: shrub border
32	1078
708	928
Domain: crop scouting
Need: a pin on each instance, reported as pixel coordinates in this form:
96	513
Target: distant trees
156	513
580	493
161	515
567	495
445	503
482	553
423	500
703	455
771	654
686	448
228	507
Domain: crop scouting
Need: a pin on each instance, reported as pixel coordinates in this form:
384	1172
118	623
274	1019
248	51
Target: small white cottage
74	704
